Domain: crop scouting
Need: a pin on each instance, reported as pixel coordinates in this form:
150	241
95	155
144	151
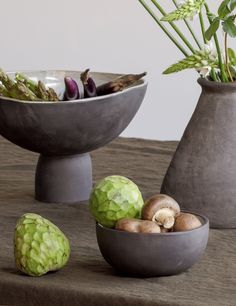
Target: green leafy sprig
186	10
225	17
200	59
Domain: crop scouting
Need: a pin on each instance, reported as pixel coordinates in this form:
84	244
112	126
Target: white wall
105	35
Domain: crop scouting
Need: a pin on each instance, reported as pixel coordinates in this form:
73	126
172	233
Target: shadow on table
104	269
14	271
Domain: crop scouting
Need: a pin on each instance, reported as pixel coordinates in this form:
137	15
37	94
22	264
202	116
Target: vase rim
216	85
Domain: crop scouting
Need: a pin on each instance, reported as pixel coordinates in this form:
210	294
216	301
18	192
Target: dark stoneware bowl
64	132
150	255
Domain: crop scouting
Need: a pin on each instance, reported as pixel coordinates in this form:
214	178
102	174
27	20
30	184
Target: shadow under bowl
64	132
150	255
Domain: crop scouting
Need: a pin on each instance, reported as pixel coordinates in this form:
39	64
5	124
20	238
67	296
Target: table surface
88	279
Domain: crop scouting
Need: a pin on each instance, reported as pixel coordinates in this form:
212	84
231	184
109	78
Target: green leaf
232	5
229	26
233	71
211	16
232	56
213	28
224	9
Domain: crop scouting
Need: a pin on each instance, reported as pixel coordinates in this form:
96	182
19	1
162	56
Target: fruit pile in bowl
150	238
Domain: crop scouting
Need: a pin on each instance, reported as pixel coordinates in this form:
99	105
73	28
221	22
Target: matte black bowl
68	128
64	132
149	255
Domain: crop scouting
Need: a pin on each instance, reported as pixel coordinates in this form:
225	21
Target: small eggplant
119	83
72	89
90	89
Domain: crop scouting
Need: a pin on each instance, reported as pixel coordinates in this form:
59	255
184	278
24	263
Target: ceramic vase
202	173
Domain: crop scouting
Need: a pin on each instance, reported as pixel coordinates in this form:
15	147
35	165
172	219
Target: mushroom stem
165	217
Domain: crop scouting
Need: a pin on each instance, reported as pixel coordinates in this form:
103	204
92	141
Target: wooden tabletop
88	279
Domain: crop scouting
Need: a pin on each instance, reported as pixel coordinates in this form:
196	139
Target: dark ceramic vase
202	173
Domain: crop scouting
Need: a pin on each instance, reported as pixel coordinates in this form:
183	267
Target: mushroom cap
137	226
128	225
157	202
186	222
147	226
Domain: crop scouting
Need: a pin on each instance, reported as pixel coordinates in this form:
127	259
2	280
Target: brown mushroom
149	227
186	222
137	226
165	230
162	209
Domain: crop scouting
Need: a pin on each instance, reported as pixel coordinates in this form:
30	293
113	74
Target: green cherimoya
39	245
113	198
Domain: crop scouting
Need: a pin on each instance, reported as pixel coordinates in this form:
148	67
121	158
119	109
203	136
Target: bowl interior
55	78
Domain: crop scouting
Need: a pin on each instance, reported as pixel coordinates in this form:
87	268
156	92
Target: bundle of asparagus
22	88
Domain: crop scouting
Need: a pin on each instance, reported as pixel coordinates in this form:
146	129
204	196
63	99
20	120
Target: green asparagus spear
3	91
22	92
52	95
17	90
39	88
28	82
43	91
5	79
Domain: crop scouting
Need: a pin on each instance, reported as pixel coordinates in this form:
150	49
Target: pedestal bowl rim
141	83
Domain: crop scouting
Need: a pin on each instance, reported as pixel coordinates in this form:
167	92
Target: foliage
219	61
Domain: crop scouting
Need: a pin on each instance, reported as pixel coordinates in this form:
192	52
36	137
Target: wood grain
88	279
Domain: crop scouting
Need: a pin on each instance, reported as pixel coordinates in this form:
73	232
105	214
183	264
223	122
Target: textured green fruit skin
113	198
39	245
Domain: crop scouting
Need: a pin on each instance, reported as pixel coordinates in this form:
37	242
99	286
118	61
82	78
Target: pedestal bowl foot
63	179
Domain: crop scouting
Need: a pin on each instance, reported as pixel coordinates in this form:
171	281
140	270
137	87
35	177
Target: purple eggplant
72	89
90	89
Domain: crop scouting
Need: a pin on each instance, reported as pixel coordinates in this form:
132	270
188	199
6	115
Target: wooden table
88	279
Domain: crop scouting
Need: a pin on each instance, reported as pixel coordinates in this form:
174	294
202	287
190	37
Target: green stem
181	35
202	26
221	65
213	75
212	72
189	28
227	58
172	38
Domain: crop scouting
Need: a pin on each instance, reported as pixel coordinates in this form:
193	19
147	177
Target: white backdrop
104	35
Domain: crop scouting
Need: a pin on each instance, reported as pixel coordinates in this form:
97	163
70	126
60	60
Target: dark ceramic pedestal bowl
64	132
150	255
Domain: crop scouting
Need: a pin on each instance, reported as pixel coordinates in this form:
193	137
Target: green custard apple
39	245
113	198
